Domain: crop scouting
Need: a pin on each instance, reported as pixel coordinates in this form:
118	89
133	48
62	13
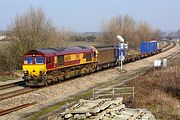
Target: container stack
105	109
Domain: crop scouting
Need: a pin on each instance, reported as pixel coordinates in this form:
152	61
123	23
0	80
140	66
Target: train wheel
83	71
46	83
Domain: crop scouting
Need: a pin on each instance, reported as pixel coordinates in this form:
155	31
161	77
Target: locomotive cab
34	67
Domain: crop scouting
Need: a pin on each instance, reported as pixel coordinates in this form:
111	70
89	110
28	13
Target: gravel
10	89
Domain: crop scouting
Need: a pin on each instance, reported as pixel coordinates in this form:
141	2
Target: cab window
39	60
28	60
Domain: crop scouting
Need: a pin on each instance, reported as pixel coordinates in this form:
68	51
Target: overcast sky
87	15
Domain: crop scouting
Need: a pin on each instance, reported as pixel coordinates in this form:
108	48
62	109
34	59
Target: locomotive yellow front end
34	69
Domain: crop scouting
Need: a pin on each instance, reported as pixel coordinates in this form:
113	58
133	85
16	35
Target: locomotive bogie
35	81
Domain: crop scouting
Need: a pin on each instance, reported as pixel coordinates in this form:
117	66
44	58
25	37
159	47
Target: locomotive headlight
25	72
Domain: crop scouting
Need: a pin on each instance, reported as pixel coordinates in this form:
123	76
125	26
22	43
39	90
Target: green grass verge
49	109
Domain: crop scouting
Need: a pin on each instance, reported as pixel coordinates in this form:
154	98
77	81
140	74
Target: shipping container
149	47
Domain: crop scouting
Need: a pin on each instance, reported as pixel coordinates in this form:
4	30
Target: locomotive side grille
88	57
60	60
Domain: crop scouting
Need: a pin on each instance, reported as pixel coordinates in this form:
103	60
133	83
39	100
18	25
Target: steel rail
6	86
7	111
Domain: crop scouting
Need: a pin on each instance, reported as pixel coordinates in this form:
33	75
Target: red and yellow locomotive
44	66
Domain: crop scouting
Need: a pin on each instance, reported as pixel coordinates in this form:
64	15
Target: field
159	92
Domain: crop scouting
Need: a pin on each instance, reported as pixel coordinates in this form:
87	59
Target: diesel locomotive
45	66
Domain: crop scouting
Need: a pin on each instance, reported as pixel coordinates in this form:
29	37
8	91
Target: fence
113	92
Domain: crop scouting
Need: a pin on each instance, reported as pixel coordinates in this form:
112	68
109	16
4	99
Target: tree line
33	30
132	31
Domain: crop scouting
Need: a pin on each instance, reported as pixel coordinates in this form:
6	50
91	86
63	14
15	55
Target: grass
48	109
56	106
159	92
5	76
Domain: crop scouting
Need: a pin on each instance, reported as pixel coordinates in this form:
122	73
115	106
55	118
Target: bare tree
123	25
144	31
32	30
63	37
157	34
133	32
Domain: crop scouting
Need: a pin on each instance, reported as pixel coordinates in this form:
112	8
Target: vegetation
33	30
133	32
89	38
7	77
159	92
56	106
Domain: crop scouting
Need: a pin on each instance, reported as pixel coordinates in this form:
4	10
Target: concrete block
80	116
95	110
88	114
67	116
121	117
101	115
105	109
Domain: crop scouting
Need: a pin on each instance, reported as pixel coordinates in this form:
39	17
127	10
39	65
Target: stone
105	109
88	114
95	110
67	116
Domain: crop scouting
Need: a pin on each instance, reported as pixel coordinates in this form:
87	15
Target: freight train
42	67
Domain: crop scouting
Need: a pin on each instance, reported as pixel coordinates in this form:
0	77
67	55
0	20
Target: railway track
15	93
10	85
168	43
27	90
168	46
7	111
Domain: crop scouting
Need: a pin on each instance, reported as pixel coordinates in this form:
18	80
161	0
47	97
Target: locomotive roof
60	51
